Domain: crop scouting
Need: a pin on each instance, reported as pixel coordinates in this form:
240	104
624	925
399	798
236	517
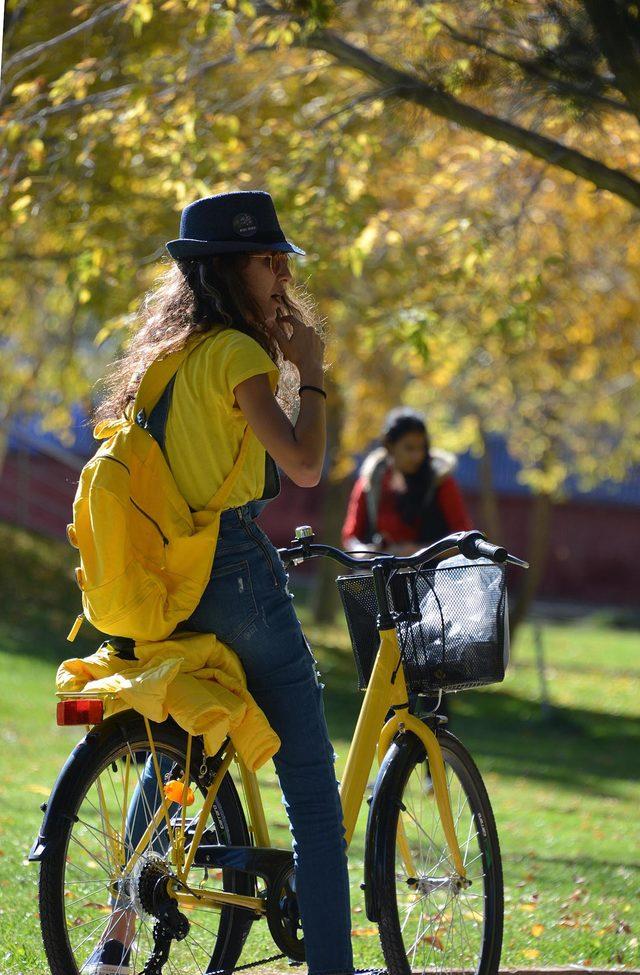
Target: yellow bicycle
184	888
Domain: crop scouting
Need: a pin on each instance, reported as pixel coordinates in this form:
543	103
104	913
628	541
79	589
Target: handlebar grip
475	547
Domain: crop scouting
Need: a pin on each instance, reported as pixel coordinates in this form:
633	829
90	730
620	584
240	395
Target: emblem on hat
244	224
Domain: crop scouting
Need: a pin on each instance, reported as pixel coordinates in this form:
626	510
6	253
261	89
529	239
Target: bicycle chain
265	961
160	954
241	968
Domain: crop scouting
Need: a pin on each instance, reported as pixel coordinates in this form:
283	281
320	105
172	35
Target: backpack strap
373	494
158	375
155	390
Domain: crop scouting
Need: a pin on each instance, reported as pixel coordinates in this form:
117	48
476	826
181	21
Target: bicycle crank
283	916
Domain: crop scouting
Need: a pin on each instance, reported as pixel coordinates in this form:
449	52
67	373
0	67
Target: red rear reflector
80	712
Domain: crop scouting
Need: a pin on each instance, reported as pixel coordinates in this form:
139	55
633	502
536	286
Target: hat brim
184	248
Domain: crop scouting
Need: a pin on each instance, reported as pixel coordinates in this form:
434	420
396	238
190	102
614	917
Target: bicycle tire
436	944
82	774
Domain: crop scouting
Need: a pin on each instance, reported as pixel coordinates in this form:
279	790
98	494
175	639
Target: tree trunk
4	447
489	502
325	598
539	525
616	25
326	601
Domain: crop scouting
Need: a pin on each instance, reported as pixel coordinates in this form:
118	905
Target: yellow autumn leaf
38	790
20	203
537	930
531	953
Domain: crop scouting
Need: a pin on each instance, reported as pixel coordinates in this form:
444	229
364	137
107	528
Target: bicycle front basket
452	624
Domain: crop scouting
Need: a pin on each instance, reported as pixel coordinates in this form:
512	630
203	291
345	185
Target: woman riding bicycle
232	281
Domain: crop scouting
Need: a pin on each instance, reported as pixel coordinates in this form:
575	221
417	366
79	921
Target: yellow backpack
144	563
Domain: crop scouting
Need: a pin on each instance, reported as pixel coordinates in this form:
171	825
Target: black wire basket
452	624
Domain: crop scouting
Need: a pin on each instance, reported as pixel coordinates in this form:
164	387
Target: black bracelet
315	389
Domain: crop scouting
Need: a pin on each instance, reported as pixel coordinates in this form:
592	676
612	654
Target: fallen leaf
537	930
39	790
434	941
527	907
531	953
363	932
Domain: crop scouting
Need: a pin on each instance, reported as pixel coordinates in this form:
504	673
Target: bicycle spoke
111	812
441	927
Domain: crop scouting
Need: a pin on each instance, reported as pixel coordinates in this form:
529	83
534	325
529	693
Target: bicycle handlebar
471	544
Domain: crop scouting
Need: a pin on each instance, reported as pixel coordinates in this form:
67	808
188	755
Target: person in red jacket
405	496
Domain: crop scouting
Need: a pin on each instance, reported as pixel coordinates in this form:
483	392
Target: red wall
37	492
593	554
593	549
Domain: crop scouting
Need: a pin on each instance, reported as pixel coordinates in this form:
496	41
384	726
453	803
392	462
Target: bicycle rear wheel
428	923
82	901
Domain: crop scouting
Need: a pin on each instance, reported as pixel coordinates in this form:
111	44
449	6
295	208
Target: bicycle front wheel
86	896
429	922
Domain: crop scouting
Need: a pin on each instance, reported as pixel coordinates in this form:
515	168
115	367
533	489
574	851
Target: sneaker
110	958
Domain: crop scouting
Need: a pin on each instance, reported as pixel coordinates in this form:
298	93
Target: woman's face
267	276
409	452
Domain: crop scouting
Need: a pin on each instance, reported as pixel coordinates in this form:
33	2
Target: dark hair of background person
420	485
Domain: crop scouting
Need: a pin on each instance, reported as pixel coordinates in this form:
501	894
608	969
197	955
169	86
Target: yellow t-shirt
204	429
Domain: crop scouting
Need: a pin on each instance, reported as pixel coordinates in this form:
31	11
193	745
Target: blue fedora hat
230	223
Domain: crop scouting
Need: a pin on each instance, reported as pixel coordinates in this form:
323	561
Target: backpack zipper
165	540
115	461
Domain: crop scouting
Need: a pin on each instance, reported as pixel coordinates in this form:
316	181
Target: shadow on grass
587	750
591	751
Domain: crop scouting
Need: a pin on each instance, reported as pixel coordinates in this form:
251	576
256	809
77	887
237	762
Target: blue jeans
247	605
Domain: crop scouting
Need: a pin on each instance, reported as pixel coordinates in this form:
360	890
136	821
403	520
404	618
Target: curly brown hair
194	297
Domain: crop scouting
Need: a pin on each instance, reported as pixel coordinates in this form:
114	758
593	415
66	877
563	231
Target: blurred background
465	180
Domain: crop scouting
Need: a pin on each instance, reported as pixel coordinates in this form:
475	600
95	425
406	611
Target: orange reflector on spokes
81	711
174	791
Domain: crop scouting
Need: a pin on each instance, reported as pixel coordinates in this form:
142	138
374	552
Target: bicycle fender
56	809
385	790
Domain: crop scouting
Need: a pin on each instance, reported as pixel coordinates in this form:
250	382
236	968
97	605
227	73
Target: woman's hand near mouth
301	345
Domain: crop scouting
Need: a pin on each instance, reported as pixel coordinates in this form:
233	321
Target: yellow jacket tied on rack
193	677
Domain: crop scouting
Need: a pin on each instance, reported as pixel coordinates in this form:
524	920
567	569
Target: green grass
564	787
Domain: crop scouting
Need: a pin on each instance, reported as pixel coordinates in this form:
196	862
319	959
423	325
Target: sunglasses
278	261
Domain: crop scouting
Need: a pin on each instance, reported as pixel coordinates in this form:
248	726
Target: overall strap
157	421
219	499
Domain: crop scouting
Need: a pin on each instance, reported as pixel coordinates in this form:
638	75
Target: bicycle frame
386	691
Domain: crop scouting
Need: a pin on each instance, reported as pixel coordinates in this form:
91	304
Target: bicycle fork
387	687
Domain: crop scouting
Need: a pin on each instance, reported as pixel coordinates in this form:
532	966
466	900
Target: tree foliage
462	175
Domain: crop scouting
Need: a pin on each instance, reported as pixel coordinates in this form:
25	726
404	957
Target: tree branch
34	49
531	68
411	88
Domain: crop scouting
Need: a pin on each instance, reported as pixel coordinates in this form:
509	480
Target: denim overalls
247	605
